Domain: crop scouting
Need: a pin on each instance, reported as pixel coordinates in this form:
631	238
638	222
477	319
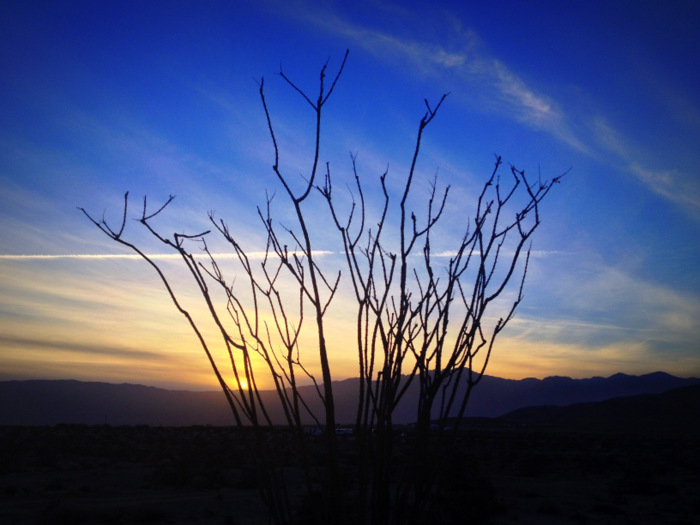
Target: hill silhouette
49	402
676	411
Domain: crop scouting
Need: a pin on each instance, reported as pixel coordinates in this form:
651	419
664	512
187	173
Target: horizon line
213	388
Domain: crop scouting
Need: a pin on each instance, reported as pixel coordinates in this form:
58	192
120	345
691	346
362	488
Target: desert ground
71	474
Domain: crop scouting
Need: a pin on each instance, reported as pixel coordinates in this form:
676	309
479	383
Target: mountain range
49	402
676	412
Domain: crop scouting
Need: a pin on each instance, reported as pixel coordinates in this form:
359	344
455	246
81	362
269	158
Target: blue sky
160	98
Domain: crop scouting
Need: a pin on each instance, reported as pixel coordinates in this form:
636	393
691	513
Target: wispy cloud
681	188
517	358
498	88
32	358
602	305
504	253
96	348
493	85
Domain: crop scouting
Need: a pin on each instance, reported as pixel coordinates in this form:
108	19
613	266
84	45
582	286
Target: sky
161	98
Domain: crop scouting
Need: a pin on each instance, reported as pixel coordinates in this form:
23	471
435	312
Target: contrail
251	255
87	256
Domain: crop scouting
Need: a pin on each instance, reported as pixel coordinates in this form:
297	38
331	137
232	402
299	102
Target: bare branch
425	326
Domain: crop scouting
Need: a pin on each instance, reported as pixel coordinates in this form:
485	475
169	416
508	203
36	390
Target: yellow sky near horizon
128	330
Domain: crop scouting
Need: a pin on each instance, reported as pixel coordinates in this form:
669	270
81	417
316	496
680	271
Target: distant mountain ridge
49	402
495	396
676	411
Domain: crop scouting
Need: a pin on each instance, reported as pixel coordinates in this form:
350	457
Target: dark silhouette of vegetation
423	321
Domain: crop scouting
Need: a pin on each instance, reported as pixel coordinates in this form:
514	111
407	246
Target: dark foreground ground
110	475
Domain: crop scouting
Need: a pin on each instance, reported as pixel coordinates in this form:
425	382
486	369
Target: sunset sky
161	98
